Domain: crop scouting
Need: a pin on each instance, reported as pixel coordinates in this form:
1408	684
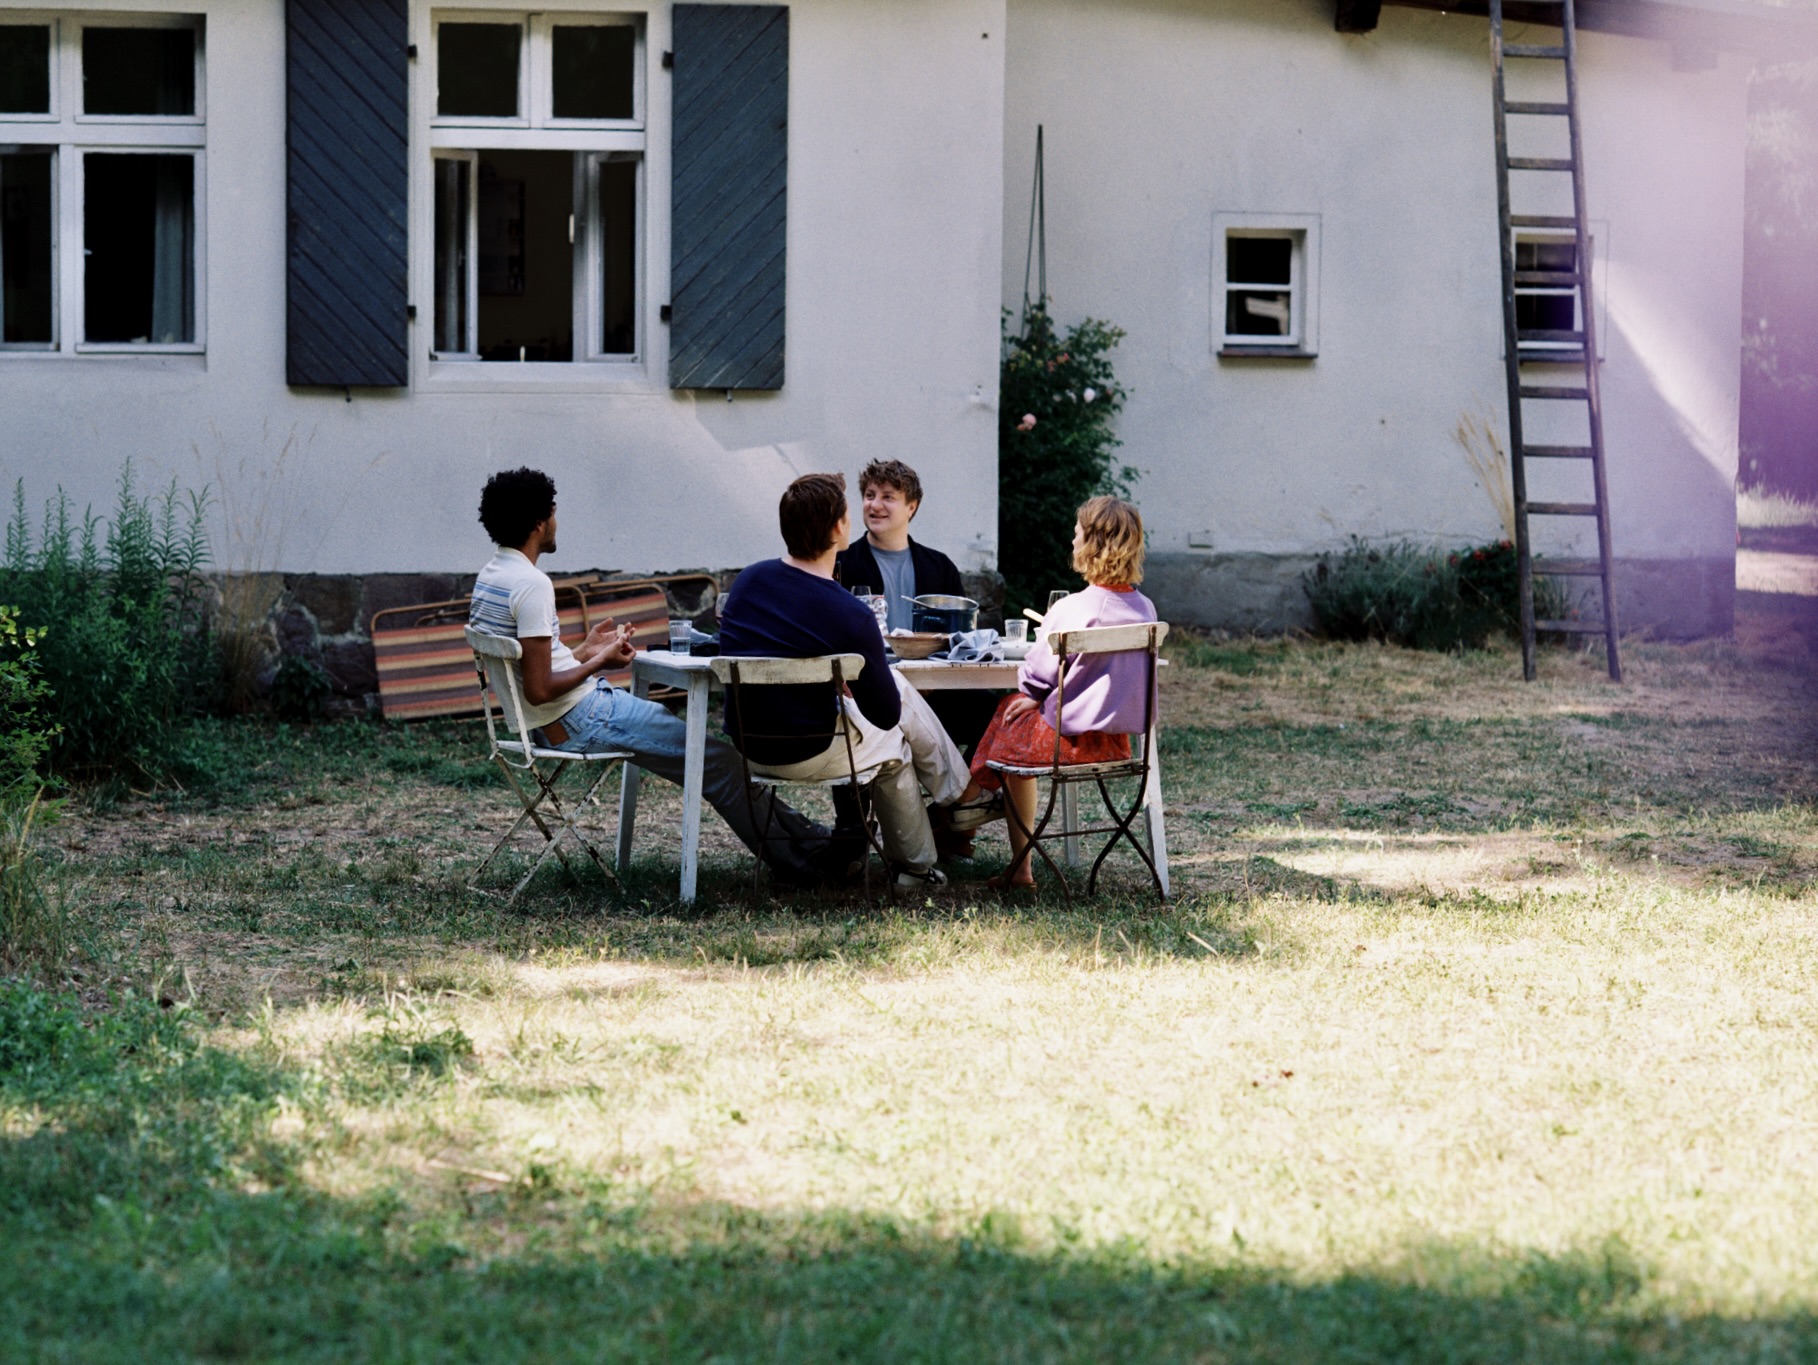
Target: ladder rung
1569	568
1571	627
1540	163
1542	220
1550	334
1559	391
1556	453
1537	107
1547	279
1562	509
1554	50
1551	355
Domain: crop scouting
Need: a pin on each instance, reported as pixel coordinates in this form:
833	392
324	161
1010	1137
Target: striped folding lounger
426	668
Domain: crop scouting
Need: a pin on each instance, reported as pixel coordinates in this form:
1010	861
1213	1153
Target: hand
1021	705
600	636
617	648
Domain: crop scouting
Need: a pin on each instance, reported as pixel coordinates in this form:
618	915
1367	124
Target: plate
1016	653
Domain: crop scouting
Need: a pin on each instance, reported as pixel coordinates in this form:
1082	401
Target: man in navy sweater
792	608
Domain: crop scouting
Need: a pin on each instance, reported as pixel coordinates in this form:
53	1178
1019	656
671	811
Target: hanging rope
1037	254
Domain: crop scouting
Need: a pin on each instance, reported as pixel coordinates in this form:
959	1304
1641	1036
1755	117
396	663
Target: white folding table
692	674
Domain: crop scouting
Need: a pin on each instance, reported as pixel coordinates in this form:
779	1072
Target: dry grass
1491	992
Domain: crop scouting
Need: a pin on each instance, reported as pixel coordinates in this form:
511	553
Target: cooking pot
947	614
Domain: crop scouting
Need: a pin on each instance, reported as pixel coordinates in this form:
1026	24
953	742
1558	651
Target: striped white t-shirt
514	598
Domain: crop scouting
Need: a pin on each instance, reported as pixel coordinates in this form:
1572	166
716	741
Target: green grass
1757	507
1479	1030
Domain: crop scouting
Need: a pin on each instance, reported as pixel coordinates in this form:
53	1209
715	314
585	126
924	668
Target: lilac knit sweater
1104	691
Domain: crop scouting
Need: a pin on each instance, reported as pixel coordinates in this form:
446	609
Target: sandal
966	816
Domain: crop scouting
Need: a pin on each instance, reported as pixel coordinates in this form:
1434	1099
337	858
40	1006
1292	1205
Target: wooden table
692	674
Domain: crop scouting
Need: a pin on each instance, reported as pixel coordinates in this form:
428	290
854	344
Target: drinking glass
679	636
1016	632
1056	596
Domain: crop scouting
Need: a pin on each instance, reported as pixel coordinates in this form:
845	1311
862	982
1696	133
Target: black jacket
934	572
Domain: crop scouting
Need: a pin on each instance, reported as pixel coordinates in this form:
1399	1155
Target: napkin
976	647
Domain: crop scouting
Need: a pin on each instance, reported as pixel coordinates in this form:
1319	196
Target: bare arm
541	685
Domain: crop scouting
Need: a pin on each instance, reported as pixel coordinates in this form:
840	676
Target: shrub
300	689
1048	466
25	733
126	657
1405	595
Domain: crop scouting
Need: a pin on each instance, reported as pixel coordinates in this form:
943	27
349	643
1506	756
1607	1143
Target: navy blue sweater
776	610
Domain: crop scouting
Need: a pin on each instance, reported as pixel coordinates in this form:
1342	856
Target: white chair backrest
1108	639
767	672
500	658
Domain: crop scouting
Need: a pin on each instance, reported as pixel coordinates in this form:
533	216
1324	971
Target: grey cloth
976	647
899	585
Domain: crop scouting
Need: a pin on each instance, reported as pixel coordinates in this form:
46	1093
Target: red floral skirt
1028	741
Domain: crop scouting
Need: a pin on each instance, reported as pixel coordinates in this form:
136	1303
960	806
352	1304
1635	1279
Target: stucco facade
895	181
1161	114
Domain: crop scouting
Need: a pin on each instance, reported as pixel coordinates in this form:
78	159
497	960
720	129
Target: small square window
477	69
1264	272
25	69
1546	309
132	72
592	76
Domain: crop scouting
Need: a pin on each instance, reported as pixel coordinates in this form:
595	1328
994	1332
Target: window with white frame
1265	271
102	135
537	146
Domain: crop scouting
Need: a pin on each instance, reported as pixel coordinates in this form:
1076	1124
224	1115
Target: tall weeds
125	650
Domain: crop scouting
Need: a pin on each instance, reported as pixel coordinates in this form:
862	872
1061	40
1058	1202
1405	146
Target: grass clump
1759	508
1403	594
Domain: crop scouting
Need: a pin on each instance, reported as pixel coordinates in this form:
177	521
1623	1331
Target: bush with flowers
1406	595
1057	396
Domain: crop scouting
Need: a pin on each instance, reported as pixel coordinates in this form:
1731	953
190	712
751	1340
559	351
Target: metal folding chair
1067	646
497	659
741	675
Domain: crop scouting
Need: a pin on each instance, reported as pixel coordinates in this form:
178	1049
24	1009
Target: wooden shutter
727	211
349	192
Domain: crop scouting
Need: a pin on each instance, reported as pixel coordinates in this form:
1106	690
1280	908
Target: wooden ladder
1561	264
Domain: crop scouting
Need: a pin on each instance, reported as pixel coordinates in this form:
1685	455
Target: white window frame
72	135
1302	231
536	129
1599	231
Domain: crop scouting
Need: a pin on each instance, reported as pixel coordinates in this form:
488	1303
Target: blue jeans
608	718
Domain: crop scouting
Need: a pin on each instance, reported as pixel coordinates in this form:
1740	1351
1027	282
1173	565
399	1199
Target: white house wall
1161	113
895	178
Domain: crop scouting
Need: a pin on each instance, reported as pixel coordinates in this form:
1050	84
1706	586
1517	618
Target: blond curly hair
1112	547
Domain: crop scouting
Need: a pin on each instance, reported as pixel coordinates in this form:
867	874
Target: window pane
139	230
25	248
477	70
454	186
1545	255
1259	260
618	257
525	256
593	67
1546	312
24	69
139	70
1251	312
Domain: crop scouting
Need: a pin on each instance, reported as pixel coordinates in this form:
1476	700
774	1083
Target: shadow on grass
146	1212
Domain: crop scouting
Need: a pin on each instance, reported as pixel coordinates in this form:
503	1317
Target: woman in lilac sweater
1105	700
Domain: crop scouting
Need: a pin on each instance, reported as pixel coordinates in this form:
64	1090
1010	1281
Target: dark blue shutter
349	192
727	211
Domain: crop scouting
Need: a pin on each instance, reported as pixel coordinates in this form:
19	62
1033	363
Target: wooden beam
1357	16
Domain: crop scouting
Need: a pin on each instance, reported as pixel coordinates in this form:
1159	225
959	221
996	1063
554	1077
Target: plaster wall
1161	113
894	249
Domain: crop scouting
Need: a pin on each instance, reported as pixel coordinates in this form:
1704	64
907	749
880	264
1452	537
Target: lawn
1480	1029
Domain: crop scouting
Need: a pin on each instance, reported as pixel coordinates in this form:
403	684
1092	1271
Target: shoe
982	809
907	880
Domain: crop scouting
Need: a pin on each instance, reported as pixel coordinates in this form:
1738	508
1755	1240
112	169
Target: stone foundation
1258	594
326	619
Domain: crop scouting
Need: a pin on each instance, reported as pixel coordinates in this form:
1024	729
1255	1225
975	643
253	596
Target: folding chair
1067	646
740	675
497	660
